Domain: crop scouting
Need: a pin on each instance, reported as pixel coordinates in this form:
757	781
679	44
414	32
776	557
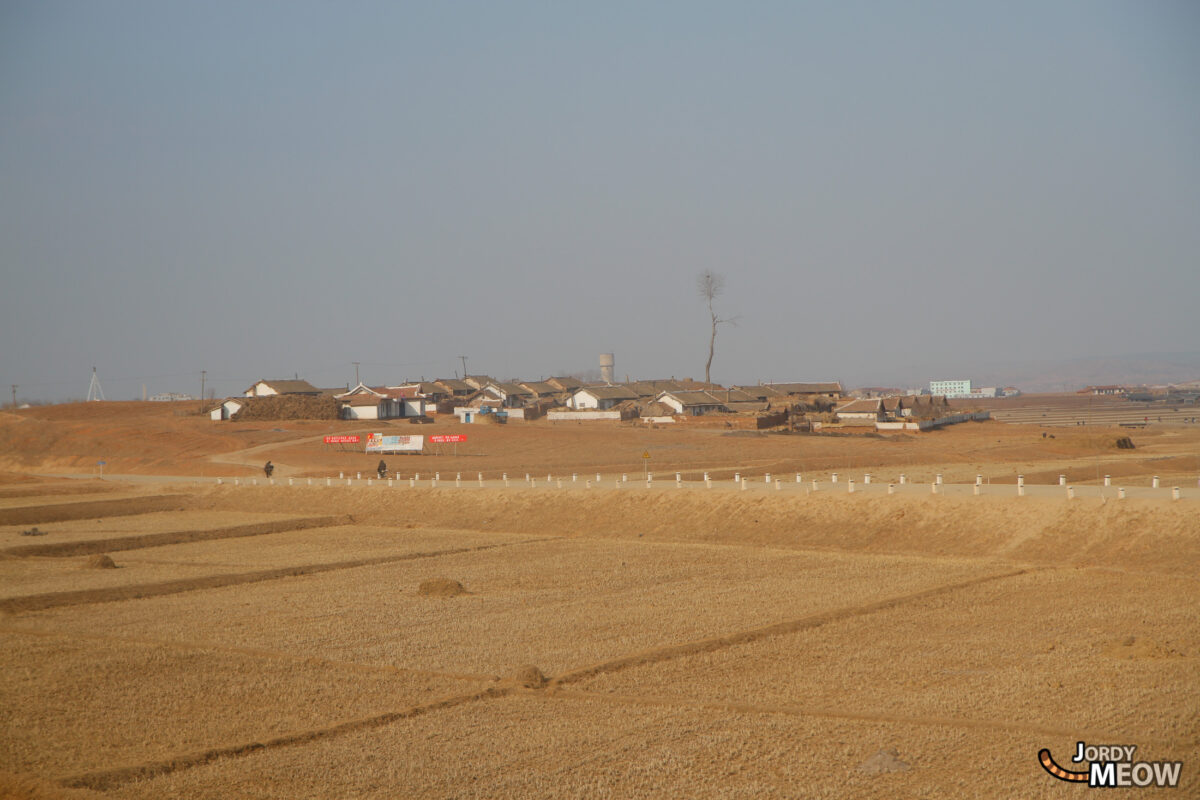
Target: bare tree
710	285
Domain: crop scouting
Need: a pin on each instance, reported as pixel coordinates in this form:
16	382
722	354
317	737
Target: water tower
606	367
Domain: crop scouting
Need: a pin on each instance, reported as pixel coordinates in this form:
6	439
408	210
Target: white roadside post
1108	480
1154	485
939	479
767	479
1121	493
1062	480
1070	492
850	486
867	479
891	488
744	484
978	488
903	479
833	478
1175	493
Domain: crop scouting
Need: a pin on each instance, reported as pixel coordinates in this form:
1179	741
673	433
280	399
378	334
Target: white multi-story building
950	388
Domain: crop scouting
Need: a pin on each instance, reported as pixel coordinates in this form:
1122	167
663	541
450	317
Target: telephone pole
356	380
464	360
203	374
14	405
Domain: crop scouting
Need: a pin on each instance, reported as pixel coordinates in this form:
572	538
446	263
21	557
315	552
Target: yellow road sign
646	454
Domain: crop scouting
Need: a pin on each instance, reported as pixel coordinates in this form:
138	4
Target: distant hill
1058	375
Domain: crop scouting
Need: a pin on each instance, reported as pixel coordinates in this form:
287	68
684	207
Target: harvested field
247	559
80	536
154	703
381	642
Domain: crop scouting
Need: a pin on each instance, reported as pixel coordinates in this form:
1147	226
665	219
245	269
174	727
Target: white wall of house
414	407
586	416
260	389
583	399
226	410
675	405
360	412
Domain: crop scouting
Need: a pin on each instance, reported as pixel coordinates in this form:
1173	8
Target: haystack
883	762
441	587
530	677
99	561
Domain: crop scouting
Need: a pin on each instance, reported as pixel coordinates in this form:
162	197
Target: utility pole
356	380
203	374
464	360
14	405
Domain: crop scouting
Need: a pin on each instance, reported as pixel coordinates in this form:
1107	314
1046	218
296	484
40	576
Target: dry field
174	638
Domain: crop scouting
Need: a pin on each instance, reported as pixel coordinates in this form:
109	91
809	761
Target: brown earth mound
441	587
883	762
530	677
287	407
99	561
1133	648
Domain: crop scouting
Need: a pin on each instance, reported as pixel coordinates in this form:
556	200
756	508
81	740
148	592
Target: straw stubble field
276	642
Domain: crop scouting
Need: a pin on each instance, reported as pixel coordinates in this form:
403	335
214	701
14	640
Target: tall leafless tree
710	285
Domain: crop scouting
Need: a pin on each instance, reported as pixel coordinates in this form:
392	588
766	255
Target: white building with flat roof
950	388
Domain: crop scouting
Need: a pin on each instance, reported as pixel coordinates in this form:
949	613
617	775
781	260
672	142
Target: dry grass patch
77	705
560	604
1035	650
530	746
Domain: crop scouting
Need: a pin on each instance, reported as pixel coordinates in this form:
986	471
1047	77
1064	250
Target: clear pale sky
889	189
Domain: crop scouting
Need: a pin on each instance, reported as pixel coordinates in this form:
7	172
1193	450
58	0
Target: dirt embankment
1131	534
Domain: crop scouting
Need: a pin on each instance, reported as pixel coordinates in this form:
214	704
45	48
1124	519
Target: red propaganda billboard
448	438
353	439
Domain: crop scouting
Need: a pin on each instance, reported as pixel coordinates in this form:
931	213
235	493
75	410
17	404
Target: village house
382	402
266	388
867	411
565	383
452	387
600	398
510	395
691	404
540	389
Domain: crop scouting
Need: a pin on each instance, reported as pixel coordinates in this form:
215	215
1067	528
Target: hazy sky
263	189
